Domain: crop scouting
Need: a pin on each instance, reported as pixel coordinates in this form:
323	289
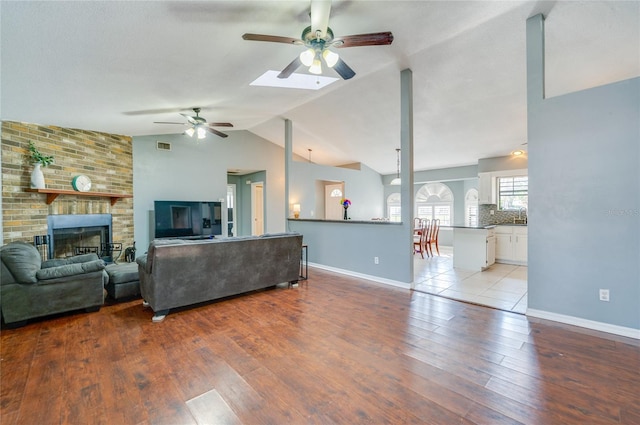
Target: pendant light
397	181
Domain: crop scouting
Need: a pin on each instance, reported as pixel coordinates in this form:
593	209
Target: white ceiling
117	67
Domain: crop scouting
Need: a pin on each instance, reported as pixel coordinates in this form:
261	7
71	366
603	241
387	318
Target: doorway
333	192
257	208
232	218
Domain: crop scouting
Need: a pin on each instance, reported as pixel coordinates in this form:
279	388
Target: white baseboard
584	323
390	282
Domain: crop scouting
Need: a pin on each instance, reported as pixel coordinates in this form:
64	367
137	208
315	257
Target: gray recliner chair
32	288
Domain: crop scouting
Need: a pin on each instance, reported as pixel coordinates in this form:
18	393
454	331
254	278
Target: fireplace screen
76	234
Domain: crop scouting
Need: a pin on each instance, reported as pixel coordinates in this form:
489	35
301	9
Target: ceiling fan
199	125
318	39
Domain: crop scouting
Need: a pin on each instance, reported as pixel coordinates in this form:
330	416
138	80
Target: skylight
295	81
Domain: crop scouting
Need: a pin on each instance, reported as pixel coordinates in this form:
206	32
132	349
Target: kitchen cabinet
486	192
511	244
473	248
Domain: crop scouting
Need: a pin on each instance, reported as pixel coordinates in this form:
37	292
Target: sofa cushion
23	261
70	270
83	258
121	273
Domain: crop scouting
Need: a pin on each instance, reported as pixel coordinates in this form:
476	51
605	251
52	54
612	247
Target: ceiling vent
163	146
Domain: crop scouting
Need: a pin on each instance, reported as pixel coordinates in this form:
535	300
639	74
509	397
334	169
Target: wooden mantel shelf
52	194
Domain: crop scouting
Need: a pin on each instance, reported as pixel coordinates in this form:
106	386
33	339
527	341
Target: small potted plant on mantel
39	160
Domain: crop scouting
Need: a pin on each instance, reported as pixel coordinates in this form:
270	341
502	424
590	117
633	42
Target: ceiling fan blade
189	118
295	64
216	132
320	11
344	70
373	39
166	122
220	124
272	38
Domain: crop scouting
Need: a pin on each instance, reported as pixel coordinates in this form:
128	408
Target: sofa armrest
144	263
70	270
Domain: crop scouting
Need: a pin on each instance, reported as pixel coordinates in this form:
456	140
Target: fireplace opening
76	234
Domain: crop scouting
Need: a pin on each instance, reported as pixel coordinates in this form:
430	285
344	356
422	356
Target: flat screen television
187	219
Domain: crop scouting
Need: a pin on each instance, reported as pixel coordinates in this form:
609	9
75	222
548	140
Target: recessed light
518	152
295	81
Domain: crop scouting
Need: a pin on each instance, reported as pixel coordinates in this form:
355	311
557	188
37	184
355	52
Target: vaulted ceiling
119	66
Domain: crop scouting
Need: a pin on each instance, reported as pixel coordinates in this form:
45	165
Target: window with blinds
394	210
435	201
513	192
471	208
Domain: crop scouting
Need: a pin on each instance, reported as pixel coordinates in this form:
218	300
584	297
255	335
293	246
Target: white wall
197	171
362	187
584	193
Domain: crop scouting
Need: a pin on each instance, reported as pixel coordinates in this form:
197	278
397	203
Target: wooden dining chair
420	237
432	240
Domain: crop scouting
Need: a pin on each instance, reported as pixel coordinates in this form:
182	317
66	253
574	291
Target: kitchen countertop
488	226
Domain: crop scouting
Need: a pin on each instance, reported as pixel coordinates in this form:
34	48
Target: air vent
163	146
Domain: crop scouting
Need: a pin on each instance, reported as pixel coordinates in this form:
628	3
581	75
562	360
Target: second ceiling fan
318	39
199	126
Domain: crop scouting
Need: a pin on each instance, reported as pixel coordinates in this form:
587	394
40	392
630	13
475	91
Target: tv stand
191	238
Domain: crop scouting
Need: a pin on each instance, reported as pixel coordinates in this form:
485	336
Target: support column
406	162
288	159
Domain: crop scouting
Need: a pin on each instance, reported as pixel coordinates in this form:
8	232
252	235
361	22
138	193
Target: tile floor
502	286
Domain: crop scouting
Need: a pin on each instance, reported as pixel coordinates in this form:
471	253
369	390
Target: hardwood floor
336	350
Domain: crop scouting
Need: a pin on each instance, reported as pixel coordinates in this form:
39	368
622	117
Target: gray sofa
176	273
33	288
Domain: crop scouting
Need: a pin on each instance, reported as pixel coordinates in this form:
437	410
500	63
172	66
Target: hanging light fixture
199	130
313	56
307	57
202	132
397	181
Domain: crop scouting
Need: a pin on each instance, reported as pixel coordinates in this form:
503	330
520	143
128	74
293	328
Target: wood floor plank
334	350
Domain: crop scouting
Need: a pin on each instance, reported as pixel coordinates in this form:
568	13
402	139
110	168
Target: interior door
232	219
332	195
257	208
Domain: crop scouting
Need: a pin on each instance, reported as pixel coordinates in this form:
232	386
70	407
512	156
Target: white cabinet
504	245
511	244
520	244
485	189
473	248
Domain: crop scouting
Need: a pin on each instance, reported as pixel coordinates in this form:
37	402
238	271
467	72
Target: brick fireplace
106	158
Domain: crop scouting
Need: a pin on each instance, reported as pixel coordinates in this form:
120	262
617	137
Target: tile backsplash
498	217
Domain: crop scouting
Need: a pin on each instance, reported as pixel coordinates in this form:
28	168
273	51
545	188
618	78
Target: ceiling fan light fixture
307	57
316	67
330	57
202	133
189	132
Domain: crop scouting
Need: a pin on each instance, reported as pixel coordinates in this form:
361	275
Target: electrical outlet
491	212
604	295
376	260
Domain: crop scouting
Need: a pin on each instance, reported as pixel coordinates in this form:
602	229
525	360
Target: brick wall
106	158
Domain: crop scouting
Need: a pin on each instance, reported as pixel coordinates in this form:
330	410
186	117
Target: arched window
435	200
471	208
336	193
393	207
